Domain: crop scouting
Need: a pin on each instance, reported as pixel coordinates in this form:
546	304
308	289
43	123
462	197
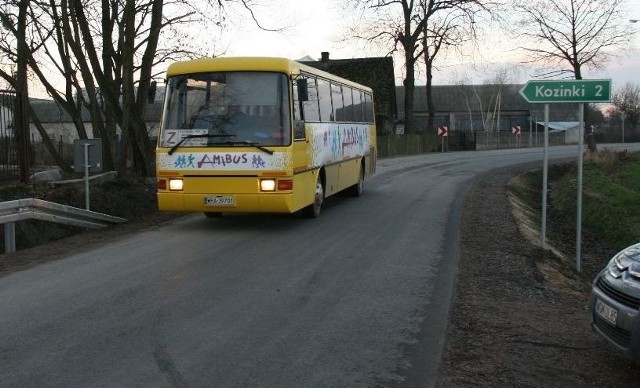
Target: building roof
456	98
374	72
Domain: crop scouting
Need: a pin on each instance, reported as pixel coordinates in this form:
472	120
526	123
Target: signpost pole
579	194
531	131
545	176
86	175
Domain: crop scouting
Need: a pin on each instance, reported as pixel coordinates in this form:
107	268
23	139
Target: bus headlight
176	184
267	184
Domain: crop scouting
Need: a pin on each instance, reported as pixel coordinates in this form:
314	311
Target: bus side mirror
303	89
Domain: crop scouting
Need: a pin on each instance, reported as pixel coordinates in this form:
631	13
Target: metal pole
579	193
545	176
86	175
10	237
530	131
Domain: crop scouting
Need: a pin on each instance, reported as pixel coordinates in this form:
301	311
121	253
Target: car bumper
624	333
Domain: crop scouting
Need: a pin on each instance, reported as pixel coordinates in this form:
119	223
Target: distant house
61	128
376	73
493	108
6	121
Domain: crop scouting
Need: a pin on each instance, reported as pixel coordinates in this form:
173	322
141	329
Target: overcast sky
312	26
315	26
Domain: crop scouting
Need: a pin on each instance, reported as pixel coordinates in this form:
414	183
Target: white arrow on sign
442	131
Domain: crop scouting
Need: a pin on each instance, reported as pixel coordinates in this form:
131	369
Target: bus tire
313	210
356	190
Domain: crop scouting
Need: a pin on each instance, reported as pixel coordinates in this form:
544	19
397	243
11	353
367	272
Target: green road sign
591	90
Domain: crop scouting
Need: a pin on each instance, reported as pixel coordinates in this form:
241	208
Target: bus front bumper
226	203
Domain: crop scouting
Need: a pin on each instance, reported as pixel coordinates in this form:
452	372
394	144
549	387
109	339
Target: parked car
615	302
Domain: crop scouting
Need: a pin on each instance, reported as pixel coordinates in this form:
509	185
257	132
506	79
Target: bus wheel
313	210
356	190
213	214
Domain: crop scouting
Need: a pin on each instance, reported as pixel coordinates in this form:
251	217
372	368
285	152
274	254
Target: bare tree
445	31
463	91
625	104
569	35
419	29
396	25
107	52
16	19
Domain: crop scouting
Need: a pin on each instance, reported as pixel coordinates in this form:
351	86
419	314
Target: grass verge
610	204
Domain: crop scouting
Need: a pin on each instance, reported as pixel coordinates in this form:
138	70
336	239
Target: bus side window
298	130
347	97
297	104
302	107
324	95
310	106
368	108
358	113
338	103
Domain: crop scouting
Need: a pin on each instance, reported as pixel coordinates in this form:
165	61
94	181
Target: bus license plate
219	200
607	312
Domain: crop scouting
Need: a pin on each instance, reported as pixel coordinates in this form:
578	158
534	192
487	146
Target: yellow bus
260	135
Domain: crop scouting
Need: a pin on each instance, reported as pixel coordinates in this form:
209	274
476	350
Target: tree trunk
431	106
21	127
409	86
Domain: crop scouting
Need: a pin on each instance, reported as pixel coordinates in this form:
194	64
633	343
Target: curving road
357	297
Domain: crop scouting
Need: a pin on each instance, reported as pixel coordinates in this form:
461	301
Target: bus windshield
226	108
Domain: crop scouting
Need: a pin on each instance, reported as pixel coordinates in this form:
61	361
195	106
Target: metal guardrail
38	209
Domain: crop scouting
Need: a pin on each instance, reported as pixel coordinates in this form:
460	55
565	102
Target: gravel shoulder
520	316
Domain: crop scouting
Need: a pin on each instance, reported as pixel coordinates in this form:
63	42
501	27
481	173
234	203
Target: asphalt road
357	297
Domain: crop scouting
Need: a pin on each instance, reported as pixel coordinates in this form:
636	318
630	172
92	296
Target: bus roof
275	64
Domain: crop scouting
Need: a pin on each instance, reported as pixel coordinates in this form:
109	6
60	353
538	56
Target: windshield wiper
199	136
244	142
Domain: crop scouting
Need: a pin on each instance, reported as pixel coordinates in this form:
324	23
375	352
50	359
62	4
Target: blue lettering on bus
354	137
335	143
184	161
350	137
258	162
222	160
181	162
